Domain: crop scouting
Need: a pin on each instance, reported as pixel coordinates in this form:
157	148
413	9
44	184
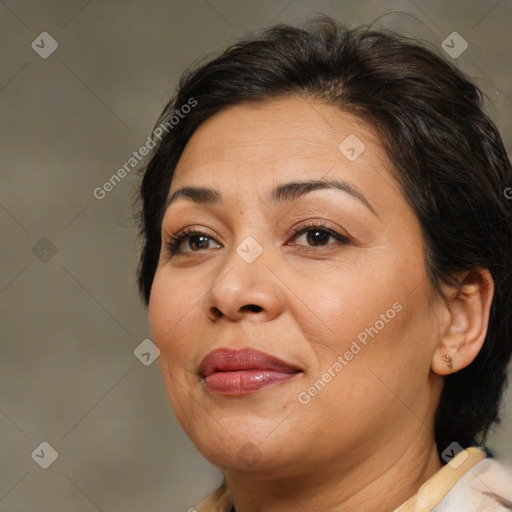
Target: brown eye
198	242
189	242
318	236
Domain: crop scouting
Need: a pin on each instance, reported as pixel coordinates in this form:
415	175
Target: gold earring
448	360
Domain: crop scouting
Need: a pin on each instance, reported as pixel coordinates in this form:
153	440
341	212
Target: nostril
217	313
251	307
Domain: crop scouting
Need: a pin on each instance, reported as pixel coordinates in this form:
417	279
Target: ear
466	313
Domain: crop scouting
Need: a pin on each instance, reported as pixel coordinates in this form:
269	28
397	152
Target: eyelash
175	241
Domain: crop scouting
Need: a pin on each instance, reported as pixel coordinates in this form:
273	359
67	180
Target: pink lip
237	372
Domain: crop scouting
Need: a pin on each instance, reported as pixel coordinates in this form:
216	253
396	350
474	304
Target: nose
243	289
217	313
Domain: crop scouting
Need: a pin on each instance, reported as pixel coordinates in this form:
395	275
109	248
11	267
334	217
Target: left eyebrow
296	189
282	193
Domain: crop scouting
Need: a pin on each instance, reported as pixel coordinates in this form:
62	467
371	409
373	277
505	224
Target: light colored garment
466	484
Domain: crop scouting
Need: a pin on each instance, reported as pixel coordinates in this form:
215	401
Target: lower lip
244	381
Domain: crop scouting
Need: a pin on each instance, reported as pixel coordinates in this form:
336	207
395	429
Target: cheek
172	306
376	324
340	306
372	371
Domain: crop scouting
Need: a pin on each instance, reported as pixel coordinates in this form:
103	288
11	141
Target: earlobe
468	308
448	360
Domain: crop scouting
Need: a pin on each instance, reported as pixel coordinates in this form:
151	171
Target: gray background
71	320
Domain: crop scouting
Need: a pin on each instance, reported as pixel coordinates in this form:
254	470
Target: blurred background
84	420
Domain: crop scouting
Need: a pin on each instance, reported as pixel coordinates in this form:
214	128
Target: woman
327	266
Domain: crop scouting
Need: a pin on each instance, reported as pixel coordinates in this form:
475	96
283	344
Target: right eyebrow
200	195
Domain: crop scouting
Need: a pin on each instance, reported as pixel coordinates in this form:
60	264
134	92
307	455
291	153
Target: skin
365	441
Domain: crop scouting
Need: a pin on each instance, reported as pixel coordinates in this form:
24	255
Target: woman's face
330	280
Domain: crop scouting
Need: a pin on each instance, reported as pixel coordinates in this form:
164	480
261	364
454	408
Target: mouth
238	372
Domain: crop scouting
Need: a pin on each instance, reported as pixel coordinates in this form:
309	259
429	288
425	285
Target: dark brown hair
448	158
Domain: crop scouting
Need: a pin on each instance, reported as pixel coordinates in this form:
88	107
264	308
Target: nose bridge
244	283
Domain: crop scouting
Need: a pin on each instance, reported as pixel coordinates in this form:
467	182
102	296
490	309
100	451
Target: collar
437	487
428	496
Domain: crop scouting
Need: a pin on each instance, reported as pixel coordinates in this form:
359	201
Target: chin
242	455
241	446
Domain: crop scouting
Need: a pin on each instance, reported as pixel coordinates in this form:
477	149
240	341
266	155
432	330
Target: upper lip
228	360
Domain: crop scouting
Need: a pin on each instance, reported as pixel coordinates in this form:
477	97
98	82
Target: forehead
261	132
250	146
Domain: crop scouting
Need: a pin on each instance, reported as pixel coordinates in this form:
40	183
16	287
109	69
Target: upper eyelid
191	231
186	233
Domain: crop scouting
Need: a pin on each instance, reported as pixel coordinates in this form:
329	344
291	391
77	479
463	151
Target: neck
382	481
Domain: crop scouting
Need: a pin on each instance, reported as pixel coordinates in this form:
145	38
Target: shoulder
485	487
